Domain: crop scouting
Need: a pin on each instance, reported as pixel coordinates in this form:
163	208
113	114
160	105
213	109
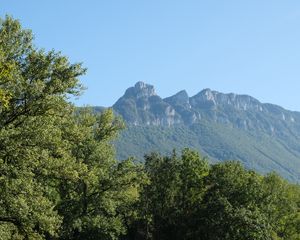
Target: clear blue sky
248	47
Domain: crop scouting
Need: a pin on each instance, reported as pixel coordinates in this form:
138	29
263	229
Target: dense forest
59	178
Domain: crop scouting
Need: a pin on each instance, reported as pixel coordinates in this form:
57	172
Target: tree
171	199
58	174
97	205
281	204
232	204
33	153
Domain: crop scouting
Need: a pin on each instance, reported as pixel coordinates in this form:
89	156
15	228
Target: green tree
58	175
33	153
281	204
232	204
97	205
172	197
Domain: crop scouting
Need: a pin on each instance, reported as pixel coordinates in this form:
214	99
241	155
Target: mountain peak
141	105
180	98
144	87
206	90
140	90
182	93
140	85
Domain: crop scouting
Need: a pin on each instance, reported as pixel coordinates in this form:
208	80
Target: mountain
265	137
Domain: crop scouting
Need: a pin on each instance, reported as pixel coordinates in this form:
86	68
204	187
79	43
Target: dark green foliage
187	199
232	204
176	188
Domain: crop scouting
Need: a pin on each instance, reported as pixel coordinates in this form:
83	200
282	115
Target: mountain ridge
207	100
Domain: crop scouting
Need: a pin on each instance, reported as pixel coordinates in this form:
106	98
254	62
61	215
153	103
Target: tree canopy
186	198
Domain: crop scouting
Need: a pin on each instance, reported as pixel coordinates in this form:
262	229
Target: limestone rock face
140	105
180	99
181	103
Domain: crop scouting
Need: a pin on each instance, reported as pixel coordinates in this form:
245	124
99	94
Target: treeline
59	179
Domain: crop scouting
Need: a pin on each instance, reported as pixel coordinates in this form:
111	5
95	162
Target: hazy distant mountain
222	126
